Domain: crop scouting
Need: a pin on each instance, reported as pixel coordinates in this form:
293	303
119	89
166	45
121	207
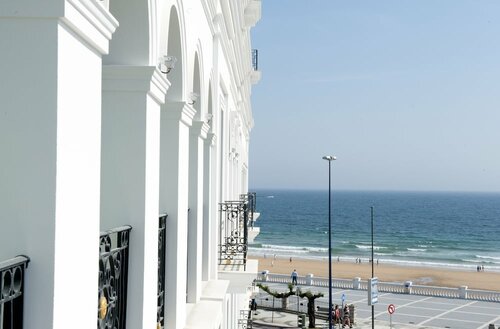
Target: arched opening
132	43
174	48
197	89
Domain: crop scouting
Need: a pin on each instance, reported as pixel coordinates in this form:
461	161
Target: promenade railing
407	287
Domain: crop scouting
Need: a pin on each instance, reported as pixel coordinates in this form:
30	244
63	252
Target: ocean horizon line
306	189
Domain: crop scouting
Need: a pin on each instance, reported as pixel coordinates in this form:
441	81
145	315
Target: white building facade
115	166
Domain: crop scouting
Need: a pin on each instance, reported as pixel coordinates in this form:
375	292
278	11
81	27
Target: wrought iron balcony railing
251	199
113	276
245	321
160	312
233	233
12	292
255	59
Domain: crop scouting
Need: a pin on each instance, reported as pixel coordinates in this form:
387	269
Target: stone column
309	279
132	98
356	283
176	118
462	292
50	136
199	131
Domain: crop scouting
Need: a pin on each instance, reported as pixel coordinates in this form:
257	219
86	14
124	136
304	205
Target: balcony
233	233
12	292
113	277
251	199
255	73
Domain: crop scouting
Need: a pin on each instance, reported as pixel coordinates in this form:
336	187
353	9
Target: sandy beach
386	273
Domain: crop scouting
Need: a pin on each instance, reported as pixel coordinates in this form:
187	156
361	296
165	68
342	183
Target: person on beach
290	259
294	277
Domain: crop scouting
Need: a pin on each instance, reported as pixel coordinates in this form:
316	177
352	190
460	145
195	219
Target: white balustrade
391	287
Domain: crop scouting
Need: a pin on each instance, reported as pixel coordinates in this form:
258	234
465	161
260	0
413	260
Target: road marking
447	312
404	305
487	324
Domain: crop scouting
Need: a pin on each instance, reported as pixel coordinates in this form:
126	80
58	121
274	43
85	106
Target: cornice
91	21
252	13
88	19
135	78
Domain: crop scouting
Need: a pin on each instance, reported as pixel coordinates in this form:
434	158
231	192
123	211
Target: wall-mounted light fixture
192	98
208	118
167	63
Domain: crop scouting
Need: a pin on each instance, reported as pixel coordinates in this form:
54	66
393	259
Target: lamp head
192	98
329	157
167	63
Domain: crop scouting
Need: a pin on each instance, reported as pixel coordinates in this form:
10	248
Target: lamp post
329	158
373	272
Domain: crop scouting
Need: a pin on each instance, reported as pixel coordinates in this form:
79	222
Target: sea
458	230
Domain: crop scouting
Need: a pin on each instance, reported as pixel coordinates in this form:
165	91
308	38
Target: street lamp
329	158
373	272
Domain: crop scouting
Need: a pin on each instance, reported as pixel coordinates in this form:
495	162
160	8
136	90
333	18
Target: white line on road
449	311
487	324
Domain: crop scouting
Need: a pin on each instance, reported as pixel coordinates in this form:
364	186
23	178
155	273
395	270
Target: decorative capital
147	79
200	128
180	111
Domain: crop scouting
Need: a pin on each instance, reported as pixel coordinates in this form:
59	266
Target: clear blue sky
405	93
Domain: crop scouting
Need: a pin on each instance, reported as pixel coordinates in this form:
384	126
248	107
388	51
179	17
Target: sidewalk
268	319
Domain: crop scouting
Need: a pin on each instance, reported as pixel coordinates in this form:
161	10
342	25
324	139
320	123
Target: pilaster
199	131
132	99
176	119
209	259
50	140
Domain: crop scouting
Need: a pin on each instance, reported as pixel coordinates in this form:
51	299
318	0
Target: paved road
411	311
